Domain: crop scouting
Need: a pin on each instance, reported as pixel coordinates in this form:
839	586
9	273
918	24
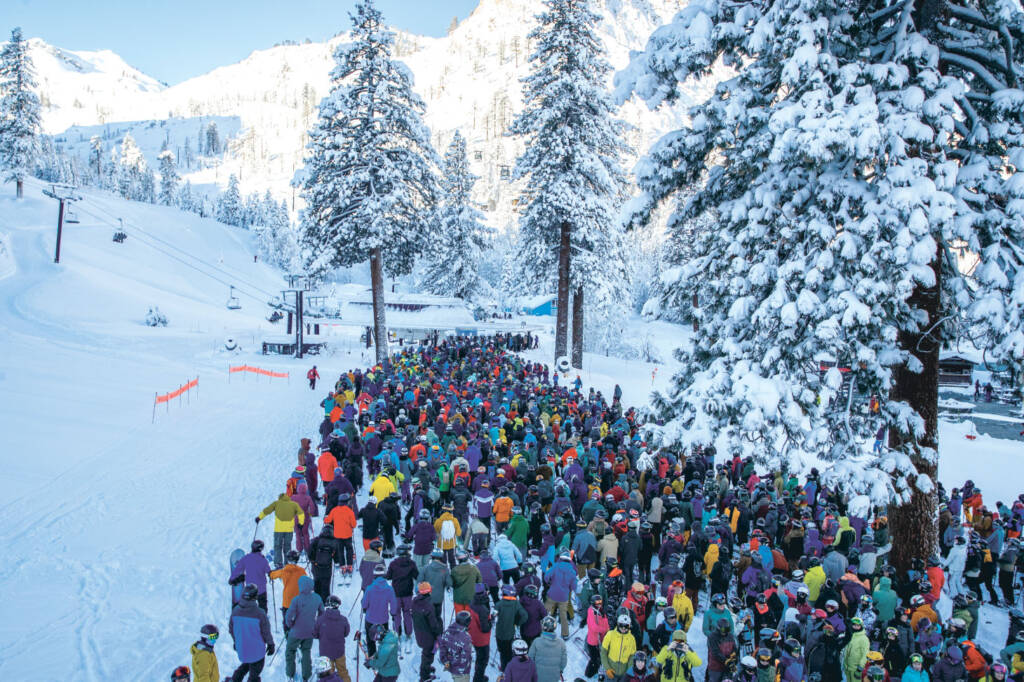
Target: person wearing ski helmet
286	513
549	653
324	669
676	659
427	626
299	622
253	568
181	674
378	601
423	536
455	649
465	578
249	627
331	630
511	616
402	574
204	660
323	555
439	576
384	658
289	577
618	648
561	581
521	668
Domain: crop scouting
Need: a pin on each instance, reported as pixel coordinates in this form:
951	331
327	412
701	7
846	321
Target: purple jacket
366	565
812	545
378	599
423	537
482	503
561	580
254	567
456	650
302	498
489	571
331	629
535	613
312	475
520	669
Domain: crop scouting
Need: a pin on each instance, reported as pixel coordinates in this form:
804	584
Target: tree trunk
562	317
913	526
380	330
577	328
695	311
20	188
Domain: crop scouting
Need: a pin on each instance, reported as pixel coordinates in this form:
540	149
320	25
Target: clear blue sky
172	40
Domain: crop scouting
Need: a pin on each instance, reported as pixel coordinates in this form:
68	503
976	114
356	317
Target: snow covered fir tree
19	112
843	165
569	228
453	256
371	185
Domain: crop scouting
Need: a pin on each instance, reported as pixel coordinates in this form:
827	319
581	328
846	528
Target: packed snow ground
118	530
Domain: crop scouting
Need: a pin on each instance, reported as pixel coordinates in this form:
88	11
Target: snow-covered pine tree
131	169
454	255
371	185
574	183
168	177
96	158
19	112
827	161
212	139
229	203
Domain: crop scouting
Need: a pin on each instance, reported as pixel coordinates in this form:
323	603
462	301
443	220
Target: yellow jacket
684	610
814	579
710	558
447	542
678	658
617	650
285	512
204	665
382	488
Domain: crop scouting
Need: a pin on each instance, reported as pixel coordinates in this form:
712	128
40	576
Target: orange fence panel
257	370
177	393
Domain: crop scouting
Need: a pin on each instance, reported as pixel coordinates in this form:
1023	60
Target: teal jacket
385	661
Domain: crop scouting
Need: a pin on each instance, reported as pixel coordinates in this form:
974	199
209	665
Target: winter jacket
490	572
204	663
520	669
535	613
617	650
711	618
507	554
814	579
561	581
423	537
289	576
911	675
286	513
402	574
250	629
448	531
304	610
465	576
855	655
597	626
425	622
885	600
385	661
455	650
675	664
511	615
834	564
550	655
440	578
331	630
366	565
949	668
343	519
378	600
255	567
518	531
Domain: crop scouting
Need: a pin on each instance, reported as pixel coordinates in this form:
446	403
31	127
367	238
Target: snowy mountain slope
469	80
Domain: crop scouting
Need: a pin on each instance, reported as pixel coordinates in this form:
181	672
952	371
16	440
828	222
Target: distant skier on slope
312	375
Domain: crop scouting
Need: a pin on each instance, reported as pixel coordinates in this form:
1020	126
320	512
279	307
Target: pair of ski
344	576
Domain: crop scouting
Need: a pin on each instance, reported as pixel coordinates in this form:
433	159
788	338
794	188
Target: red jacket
476	628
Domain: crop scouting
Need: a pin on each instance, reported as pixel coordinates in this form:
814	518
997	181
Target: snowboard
236	590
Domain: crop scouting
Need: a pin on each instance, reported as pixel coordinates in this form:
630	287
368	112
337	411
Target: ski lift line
187	264
179	249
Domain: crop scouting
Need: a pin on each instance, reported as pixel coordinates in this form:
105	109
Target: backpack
447	530
324	554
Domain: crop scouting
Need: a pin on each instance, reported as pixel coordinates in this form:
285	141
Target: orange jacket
326	465
502	509
975	663
289	575
923	611
343	519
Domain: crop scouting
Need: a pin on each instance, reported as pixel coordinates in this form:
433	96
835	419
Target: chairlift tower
65	194
297	285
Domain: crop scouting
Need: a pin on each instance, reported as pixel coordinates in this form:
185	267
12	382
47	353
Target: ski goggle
212	637
916	658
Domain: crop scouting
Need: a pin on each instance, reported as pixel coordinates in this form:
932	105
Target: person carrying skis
312	375
286	513
250	630
378	600
455	648
385	657
299	622
331	630
289	577
253	568
204	661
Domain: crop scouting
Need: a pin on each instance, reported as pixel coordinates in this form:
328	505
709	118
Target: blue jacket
304	610
385	661
378	599
507	554
490	572
250	629
561	581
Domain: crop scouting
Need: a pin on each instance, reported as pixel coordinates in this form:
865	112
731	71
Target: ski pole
356	637
273	604
354	602
256	530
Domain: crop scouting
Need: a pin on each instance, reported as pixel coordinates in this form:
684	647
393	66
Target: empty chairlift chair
233	303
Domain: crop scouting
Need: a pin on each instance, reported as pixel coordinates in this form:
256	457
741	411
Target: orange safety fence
258	370
174	394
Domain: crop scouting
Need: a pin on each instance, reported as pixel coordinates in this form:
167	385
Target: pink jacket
597	627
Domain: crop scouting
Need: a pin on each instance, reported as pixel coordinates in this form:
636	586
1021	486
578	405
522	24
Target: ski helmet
548	624
424	514
436	553
210	633
463	618
322	665
380	569
508	591
292	556
621	621
531	591
376	545
250	591
402	550
519	647
257	546
181	674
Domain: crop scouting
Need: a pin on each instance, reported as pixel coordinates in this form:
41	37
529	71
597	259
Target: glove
258	519
610	674
270	649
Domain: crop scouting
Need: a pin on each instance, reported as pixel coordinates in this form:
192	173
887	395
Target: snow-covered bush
155	318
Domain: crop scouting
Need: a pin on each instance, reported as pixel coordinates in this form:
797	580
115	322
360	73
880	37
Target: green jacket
855	655
885	600
511	615
385	661
675	664
464	579
518	531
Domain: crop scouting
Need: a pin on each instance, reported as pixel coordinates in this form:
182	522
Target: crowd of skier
511	515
